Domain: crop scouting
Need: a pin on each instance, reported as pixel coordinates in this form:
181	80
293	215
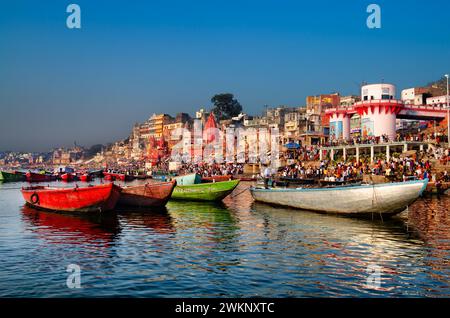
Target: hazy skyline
130	60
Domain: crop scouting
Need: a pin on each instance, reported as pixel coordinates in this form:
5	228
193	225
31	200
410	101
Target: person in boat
266	176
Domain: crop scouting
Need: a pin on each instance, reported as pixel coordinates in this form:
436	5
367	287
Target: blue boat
189	179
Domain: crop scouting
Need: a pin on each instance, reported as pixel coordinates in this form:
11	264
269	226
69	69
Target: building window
386	97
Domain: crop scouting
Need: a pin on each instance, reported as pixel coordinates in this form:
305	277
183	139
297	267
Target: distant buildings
375	112
63	156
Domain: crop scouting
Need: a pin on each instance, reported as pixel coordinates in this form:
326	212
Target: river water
234	249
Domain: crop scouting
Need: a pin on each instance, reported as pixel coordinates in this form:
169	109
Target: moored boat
252	179
359	200
96	173
67	177
85	178
298	180
98	198
147	195
13	176
117	176
214	191
217	178
188	179
328	183
39	177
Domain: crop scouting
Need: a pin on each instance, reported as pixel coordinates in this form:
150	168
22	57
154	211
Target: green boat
189	179
215	191
11	176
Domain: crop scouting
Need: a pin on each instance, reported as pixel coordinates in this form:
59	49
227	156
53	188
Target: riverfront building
379	110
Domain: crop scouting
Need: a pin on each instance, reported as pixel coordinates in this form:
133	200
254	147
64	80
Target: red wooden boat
147	195
217	178
67	177
109	177
90	199
39	177
117	176
85	178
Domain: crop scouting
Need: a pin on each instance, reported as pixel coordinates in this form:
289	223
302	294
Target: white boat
359	200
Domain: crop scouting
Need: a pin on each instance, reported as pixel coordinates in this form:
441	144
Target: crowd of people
400	137
209	170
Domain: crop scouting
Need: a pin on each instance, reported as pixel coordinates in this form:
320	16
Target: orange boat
147	195
90	199
217	178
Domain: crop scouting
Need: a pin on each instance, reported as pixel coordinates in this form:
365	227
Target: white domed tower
378	110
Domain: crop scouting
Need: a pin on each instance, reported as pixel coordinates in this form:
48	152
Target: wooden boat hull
204	191
147	195
188	179
99	198
96	173
85	178
363	200
159	177
324	183
117	176
67	177
11	176
251	179
217	178
298	180
38	177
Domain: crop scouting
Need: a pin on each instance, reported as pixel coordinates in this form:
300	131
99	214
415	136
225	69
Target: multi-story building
315	110
156	124
180	121
437	101
348	101
295	124
319	103
420	95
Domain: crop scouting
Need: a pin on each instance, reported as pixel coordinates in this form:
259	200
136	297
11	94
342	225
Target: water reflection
158	220
429	218
237	248
211	229
72	228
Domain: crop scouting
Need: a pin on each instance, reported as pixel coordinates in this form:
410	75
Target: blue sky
130	60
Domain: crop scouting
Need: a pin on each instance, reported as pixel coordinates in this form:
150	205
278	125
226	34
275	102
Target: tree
225	106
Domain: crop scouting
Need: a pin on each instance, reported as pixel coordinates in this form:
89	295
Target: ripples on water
235	249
